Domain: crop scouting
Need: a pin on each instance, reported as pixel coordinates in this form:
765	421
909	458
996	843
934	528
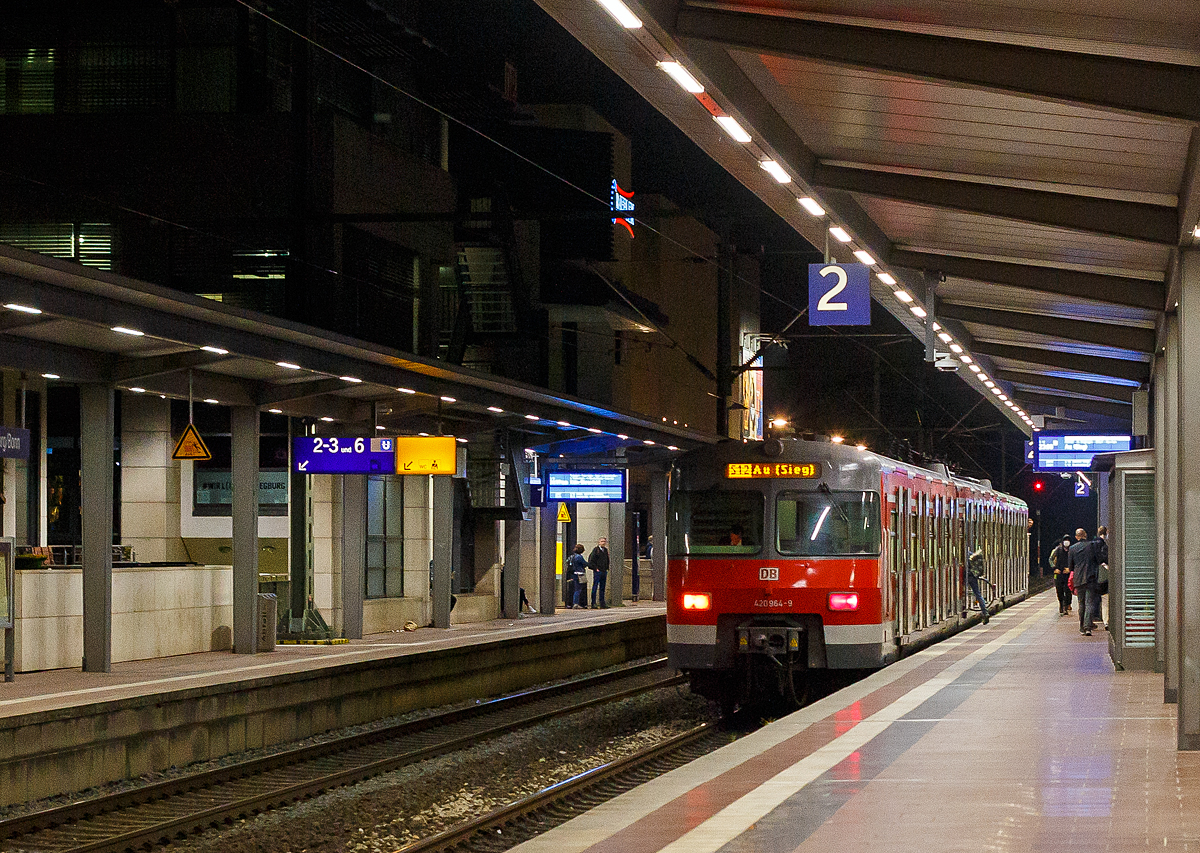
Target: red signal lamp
1038	485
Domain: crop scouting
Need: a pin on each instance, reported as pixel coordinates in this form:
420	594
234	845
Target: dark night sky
827	382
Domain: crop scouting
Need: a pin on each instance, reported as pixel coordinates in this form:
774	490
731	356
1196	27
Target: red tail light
843	601
697	601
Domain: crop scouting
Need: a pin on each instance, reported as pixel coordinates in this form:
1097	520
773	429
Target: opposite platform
1016	736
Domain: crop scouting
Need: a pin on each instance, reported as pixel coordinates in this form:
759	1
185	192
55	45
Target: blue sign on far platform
839	295
1082	489
14	443
322	454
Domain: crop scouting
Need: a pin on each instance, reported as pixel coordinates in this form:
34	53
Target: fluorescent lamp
947	339
647	441
621	14
287	364
594	430
406	391
811	206
563	423
903	296
734	129
996	391
51	376
988	383
461	440
839	234
672	447
495	409
216	350
775	171
327	420
532	418
24	309
886	278
865	257
446	399
136	390
681	76
211	400
955	348
351	379
1003	398
125	330
965	359
275	411
974	368
836	439
917	309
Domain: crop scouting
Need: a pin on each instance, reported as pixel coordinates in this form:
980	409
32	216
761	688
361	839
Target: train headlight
843	601
697	601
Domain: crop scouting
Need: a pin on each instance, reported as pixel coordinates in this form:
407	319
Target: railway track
519	821
174	808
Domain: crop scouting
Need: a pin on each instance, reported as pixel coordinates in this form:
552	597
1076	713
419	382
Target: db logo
768	574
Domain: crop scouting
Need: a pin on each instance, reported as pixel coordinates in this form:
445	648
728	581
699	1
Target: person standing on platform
1085	573
598	560
577	565
1058	562
1100	545
974	573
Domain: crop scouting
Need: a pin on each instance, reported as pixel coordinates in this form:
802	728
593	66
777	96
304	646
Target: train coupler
768	640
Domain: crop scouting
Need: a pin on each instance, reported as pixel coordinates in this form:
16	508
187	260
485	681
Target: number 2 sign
839	295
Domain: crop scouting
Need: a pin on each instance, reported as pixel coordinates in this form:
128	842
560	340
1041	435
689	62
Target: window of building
385	537
87	243
27	80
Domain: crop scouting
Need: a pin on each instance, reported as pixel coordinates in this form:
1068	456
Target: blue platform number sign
839	295
1082	489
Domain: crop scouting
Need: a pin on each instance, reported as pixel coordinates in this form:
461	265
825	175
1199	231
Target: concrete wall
156	612
150	519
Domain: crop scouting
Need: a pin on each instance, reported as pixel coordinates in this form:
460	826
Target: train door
894	579
926	562
939	560
912	564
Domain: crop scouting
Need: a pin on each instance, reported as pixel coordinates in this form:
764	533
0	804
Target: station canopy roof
96	327
1033	163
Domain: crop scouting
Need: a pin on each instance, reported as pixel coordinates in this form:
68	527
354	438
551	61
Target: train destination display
322	454
590	485
770	470
1074	452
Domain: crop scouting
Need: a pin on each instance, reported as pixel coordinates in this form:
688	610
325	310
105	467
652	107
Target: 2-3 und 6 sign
839	295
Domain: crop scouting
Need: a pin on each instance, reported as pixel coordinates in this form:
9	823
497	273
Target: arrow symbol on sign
408	466
303	466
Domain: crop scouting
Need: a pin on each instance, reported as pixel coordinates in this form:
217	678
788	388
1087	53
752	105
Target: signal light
697	601
843	601
1038	485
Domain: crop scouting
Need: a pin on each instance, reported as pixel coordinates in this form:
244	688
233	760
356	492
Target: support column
658	529
1170	472
510	578
97	419
354	553
1187	606
616	555
547	550
244	445
443	548
300	544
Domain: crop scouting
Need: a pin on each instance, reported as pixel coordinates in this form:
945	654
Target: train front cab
800	587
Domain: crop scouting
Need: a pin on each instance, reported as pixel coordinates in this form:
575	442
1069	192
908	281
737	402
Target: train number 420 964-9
772	602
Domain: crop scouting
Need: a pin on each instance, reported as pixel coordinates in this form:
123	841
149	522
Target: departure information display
1071	452
590	485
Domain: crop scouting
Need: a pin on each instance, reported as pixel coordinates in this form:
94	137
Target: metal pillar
658	529
1187	604
510	577
354	553
1169	607
97	420
443	549
244	445
547	562
616	555
300	538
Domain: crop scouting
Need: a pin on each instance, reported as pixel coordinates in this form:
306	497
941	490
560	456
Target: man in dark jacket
598	561
1081	560
1058	562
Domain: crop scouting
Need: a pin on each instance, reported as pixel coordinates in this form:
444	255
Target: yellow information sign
563	515
191	446
433	454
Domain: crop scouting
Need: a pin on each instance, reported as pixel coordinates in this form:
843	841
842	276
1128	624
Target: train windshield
715	523
812	524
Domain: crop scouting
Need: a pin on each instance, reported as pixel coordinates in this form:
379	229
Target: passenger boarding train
787	556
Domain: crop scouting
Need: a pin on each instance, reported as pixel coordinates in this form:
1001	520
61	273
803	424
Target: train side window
715	523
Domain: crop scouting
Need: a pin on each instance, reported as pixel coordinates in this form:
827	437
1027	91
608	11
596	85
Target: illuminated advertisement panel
1074	451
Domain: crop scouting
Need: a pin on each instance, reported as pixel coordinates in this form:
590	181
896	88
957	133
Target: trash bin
267	606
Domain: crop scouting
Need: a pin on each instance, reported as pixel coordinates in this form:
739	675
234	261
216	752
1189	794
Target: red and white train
787	556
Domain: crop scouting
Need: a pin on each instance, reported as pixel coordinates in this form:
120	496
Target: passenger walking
598	560
974	573
578	565
1058	562
1085	574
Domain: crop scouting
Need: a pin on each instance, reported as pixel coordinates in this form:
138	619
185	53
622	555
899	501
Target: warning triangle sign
191	445
563	515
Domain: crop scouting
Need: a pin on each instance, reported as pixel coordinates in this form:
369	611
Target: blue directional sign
320	454
839	295
14	443
1082	489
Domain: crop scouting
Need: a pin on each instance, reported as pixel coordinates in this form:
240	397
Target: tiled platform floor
42	691
1015	736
